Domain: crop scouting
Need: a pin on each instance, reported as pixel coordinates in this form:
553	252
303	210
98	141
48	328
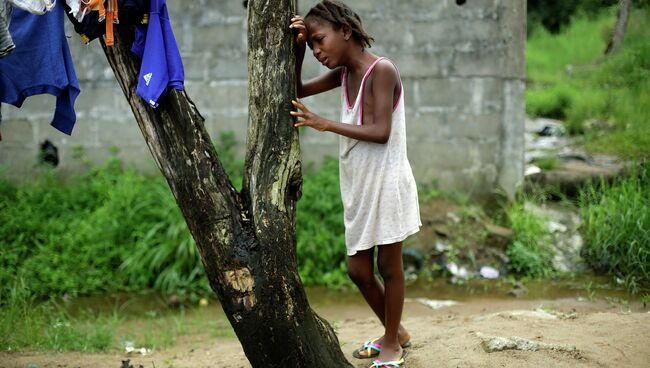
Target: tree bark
621	24
246	240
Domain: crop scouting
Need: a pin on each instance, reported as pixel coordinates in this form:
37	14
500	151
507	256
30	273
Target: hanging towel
162	66
39	7
6	42
40	64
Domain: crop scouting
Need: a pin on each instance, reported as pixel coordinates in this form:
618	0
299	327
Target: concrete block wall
462	68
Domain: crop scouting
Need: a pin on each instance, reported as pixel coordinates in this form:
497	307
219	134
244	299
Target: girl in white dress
377	186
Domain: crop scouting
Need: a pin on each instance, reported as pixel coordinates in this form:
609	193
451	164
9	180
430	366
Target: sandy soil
603	336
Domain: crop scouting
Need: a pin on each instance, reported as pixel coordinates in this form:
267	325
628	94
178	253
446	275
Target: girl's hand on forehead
309	118
298	24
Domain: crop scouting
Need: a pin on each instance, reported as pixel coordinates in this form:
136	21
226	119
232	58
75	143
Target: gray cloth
6	43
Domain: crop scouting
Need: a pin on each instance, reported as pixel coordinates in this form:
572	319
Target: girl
377	185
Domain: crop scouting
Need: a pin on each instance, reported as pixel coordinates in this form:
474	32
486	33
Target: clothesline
29	65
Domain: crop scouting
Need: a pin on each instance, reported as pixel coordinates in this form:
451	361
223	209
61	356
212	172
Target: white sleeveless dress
380	199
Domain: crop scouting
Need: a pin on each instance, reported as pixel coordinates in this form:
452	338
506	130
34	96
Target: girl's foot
390	353
362	353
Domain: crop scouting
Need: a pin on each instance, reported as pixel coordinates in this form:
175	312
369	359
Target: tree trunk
246	240
621	24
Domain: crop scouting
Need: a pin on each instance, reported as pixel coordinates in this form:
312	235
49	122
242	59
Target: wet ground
601	323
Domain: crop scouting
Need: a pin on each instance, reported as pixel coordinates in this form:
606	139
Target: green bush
320	231
551	103
604	98
530	254
617	228
114	229
72	238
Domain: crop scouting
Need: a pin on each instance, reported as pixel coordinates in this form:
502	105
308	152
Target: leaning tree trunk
246	240
621	24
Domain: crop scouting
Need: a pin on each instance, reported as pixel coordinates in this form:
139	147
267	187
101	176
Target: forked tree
246	239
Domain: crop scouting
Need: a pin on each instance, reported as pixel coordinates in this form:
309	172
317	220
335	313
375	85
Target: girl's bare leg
390	267
361	271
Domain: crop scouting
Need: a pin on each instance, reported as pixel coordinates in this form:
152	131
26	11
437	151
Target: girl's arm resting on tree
320	84
376	129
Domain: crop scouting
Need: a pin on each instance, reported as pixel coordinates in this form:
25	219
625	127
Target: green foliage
546	163
617	228
529	254
24	324
114	229
73	238
110	229
550	103
320	231
603	98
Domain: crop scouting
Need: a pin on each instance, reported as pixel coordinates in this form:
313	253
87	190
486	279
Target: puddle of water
587	287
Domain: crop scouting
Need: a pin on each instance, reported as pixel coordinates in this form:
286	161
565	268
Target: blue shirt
41	63
162	66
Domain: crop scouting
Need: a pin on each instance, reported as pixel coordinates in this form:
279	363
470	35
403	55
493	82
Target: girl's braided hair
339	14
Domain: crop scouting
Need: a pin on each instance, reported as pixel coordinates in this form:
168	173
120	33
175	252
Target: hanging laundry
90	22
162	66
41	63
39	7
74	6
6	42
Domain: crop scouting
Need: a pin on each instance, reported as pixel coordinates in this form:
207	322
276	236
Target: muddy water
333	303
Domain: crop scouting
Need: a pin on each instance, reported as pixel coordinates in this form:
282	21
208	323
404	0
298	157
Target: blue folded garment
41	63
162	66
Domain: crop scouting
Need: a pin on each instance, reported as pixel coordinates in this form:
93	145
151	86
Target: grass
530	253
603	99
547	163
114	229
617	228
26	324
46	326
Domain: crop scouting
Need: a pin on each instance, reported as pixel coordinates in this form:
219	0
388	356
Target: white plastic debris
489	272
453	217
556	226
128	346
457	271
532	170
436	304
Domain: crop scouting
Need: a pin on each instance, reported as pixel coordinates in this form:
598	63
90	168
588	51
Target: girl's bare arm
376	129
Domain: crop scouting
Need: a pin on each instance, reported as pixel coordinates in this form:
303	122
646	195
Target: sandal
373	349
393	364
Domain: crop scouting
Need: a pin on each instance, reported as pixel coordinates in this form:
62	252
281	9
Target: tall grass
114	229
530	253
617	228
46	326
603	98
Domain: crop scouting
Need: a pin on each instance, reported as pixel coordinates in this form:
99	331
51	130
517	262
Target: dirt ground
604	335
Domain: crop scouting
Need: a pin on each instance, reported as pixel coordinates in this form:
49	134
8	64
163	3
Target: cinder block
425	63
220	38
233	66
225	98
426	129
16	134
475	126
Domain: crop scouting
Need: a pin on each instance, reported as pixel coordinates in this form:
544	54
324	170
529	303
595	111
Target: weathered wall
462	66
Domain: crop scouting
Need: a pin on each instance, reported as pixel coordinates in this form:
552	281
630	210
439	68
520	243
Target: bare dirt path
596	333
